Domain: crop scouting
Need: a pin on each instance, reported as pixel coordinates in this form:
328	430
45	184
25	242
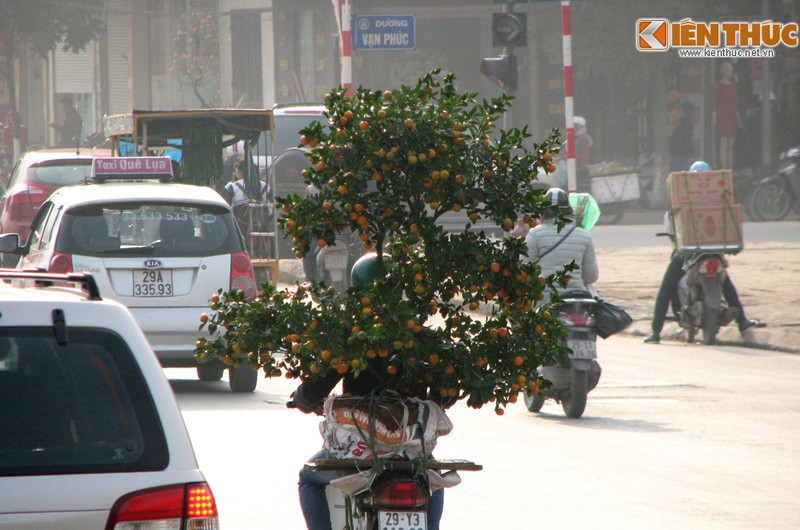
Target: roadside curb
765	338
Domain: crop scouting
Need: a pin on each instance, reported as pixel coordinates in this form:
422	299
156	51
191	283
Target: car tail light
710	267
189	506
60	263
22	205
404	494
242	277
30	196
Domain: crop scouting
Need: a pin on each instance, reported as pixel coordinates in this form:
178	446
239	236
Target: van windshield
287	131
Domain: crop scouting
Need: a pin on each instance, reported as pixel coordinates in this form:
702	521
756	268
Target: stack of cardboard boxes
703	211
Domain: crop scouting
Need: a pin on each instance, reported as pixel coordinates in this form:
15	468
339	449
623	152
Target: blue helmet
700	166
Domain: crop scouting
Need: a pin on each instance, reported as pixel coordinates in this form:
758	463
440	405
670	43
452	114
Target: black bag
610	318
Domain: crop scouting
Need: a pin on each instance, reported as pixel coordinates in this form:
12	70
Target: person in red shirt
725	114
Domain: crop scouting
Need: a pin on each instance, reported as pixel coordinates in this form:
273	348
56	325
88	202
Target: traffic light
502	70
509	29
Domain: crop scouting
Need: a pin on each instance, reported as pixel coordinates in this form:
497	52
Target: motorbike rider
555	249
309	398
668	292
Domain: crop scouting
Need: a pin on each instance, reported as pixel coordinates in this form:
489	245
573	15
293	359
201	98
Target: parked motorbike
393	498
772	198
334	262
701	304
579	374
700	291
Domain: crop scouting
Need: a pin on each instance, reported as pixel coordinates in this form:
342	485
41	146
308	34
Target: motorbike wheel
691	331
575	403
771	202
710	326
210	371
242	379
534	402
687	322
749	207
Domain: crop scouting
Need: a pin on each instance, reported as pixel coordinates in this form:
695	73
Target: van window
82	407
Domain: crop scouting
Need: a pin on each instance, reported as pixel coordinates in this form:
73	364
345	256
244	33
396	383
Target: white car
160	248
90	433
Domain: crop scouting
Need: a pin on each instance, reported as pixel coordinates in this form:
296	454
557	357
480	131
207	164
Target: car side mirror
9	244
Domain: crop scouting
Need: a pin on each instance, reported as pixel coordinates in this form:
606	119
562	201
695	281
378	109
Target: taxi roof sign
132	168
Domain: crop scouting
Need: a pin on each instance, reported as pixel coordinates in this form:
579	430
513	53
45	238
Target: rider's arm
532	242
310	395
589	269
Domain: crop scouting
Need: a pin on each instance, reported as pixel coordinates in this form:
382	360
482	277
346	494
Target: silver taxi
162	249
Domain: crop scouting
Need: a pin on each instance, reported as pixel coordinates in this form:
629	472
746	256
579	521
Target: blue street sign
384	32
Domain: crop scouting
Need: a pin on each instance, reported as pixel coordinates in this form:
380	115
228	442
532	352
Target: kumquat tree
457	311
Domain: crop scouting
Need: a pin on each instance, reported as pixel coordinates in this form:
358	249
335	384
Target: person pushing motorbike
668	292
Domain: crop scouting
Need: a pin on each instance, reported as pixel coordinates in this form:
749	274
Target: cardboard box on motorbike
703	212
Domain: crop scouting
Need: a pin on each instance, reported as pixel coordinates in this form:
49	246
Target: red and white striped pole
346	47
566	39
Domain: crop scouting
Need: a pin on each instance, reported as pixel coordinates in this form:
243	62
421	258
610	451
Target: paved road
674	437
644	235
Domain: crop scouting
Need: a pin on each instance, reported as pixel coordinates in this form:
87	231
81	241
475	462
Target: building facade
178	54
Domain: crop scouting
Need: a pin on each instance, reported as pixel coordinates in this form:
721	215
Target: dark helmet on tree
367	268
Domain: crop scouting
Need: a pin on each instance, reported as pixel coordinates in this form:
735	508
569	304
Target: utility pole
569	110
343	11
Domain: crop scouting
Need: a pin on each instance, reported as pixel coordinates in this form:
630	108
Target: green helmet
365	269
